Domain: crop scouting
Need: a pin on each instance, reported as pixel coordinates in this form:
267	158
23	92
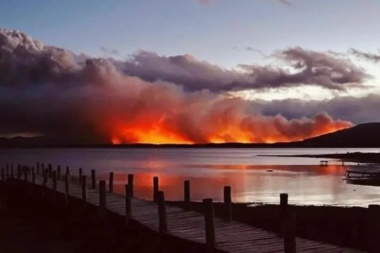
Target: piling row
287	218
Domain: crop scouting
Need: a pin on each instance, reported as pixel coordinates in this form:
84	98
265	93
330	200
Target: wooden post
208	208
19	172
80	176
102	199
110	183
50	170
283	205
26	174
7	169
12	174
84	188
289	233
44	179
163	225
38	168
68	175
128	206
67	184
130	185
155	189
33	176
54	181
59	172
186	193
227	202
373	228
93	179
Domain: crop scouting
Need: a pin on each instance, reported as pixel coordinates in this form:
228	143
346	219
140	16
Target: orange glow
157	134
160	133
245	178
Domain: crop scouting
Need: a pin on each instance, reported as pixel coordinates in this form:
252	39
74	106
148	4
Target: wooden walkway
190	225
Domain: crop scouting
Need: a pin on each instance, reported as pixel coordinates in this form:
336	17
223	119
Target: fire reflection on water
307	184
253	176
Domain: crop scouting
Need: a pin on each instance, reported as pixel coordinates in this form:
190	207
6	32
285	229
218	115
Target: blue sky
217	32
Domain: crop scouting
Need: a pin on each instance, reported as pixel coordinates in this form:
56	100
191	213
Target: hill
360	136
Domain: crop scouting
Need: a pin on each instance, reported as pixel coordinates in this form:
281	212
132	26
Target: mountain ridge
359	136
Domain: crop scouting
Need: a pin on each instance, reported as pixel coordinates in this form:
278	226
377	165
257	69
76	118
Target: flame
162	133
154	134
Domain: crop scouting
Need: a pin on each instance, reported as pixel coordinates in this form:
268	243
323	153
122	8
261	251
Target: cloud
24	60
354	109
256	51
206	1
111	52
307	67
45	90
366	56
287	2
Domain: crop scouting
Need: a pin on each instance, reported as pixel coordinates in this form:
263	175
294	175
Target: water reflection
309	184
252	178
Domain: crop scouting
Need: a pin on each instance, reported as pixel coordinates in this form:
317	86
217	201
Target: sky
264	52
218	32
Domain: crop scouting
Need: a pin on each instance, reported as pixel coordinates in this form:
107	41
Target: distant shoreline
347	157
291	145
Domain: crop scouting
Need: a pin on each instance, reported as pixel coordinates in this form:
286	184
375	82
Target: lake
253	178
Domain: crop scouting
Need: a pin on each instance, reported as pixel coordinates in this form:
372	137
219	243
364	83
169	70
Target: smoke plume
366	56
149	99
304	68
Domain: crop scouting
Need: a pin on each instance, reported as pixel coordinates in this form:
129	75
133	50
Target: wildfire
161	133
156	133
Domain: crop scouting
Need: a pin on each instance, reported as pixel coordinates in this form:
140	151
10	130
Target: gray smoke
51	91
326	70
366	56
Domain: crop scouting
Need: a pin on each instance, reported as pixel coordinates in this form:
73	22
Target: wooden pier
212	233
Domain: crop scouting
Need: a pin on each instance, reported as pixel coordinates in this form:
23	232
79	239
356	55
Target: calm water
253	178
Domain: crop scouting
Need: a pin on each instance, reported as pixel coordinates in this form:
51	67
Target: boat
363	175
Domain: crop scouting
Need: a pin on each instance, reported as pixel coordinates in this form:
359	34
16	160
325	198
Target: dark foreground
343	226
42	224
35	222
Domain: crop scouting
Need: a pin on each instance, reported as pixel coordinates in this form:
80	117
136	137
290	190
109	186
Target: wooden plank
189	225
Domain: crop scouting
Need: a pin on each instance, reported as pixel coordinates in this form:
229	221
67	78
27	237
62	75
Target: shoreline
358	157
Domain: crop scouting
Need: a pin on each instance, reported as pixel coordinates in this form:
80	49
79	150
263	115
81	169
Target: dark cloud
324	69
355	109
24	60
46	90
366	56
256	51
287	2
108	51
309	68
206	1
